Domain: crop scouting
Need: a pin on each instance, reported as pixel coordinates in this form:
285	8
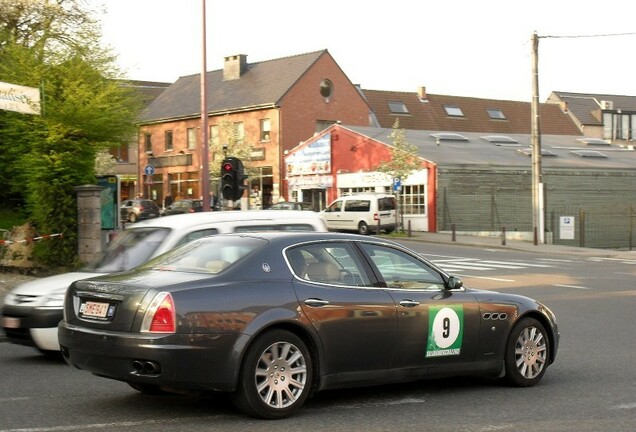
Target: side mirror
454	283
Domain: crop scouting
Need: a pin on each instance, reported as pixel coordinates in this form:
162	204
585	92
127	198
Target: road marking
121	424
13	399
625	406
489	278
571	286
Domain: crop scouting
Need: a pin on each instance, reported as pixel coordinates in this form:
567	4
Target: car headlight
54	301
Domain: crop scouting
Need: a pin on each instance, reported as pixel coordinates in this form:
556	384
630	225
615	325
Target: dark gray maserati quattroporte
272	317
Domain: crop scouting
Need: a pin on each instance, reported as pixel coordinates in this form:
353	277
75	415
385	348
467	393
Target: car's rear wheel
276	376
363	228
527	353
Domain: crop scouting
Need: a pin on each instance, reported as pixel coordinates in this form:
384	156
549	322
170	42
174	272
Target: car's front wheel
132	218
276	376
527	353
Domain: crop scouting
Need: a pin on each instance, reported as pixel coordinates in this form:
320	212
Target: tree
54	45
404	157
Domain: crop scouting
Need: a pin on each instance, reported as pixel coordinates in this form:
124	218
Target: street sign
149	170
397	184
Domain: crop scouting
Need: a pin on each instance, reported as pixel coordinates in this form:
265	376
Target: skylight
589	153
528	152
453	111
501	140
495	114
447	136
398	107
594	142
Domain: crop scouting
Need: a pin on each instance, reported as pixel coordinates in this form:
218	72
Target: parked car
364	213
138	209
32	310
183	206
272	317
290	205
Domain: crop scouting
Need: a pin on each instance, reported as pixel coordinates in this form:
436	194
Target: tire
363	228
276	376
389	230
132	218
527	353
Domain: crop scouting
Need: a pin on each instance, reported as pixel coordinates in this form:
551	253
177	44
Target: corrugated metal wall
602	202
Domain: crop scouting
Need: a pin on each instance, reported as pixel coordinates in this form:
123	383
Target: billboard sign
19	98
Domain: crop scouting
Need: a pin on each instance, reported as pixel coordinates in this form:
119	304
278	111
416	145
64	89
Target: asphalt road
589	388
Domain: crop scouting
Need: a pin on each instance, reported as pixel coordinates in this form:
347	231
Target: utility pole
204	155
537	183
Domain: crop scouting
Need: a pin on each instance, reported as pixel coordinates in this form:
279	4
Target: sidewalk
520	245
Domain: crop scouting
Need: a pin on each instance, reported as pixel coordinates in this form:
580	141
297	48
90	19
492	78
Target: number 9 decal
445	331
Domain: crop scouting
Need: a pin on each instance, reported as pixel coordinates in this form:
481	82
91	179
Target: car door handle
409	303
316	302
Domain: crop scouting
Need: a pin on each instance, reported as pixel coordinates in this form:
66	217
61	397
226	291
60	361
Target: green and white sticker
446	330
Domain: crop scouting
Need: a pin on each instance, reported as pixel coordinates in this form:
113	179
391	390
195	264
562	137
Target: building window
148	143
239	130
398	107
413	199
453	111
214	135
326	88
321	125
168	136
619	126
192	138
265	130
495	114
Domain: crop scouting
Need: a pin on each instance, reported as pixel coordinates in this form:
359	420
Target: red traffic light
227	166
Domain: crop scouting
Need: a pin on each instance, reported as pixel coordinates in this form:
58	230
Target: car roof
192	219
292	237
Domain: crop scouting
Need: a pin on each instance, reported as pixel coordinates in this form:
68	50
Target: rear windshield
128	249
207	255
387	203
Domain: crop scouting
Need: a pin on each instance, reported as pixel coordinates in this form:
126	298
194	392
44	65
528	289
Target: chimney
421	92
234	67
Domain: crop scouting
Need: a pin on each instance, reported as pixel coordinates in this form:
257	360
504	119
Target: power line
587	36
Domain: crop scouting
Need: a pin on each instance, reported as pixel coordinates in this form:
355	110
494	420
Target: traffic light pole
205	163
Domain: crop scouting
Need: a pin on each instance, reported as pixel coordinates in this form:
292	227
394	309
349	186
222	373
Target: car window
203	256
330	263
335	207
401	270
387	203
129	249
356	205
194	235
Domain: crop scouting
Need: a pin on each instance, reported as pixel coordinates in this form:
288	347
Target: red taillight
375	216
191	210
160	316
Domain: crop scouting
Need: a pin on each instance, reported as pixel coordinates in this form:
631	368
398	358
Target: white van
32	310
362	213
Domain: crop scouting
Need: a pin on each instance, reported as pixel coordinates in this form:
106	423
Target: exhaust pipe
146	367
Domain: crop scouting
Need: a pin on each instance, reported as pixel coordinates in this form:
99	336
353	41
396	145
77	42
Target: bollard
503	236
409	229
453	231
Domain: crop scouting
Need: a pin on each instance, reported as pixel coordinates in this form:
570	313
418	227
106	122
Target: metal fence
589	225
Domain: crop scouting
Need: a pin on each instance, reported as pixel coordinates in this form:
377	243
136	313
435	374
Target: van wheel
389	230
363	228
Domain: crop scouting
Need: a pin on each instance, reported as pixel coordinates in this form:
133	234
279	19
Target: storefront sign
314	158
19	98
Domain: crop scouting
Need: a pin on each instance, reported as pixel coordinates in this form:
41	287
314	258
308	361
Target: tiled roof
586	106
429	114
261	84
149	90
479	152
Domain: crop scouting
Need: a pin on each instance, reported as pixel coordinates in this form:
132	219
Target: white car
32	310
363	213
